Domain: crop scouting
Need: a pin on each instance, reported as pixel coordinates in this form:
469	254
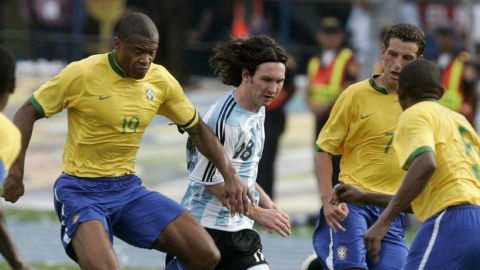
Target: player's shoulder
357	89
158	71
86	65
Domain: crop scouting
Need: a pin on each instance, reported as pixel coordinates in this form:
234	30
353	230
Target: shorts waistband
129	178
463	206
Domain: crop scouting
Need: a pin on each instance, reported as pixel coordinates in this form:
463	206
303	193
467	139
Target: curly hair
406	33
231	57
7	67
420	79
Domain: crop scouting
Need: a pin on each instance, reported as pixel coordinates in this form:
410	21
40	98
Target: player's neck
243	98
381	81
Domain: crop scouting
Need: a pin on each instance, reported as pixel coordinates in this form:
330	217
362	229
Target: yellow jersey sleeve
335	130
57	94
413	136
10	141
177	107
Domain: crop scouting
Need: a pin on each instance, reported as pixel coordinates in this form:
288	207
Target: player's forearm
264	201
323	172
209	145
417	177
24	119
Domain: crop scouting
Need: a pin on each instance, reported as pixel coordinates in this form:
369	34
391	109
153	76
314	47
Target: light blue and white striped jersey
242	134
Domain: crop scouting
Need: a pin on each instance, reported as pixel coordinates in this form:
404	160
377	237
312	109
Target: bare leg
8	249
189	242
93	247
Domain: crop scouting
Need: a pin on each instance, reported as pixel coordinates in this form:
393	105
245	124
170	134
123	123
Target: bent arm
417	177
208	144
24	119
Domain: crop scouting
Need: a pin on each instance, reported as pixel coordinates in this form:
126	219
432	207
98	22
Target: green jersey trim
377	88
115	66
416	153
36	106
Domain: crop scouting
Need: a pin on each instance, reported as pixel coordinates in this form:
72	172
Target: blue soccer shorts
448	240
126	209
343	250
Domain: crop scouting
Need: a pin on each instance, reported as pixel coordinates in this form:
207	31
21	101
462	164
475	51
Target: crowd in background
71	29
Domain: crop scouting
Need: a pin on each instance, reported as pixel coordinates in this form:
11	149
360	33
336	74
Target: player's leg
189	242
156	221
93	247
85	232
342	250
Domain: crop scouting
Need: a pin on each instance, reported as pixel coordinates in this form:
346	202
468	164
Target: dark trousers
274	127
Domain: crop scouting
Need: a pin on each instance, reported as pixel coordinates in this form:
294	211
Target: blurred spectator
50	22
275	121
329	72
458	73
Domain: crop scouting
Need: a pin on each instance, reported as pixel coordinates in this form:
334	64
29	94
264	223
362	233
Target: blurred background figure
329	72
50	22
275	124
459	76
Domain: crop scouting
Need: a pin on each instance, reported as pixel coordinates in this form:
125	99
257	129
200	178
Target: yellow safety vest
325	83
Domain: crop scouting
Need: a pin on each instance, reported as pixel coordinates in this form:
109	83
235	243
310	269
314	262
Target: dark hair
420	79
7	70
136	23
231	57
406	33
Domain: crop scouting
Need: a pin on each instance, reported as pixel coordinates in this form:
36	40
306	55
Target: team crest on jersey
342	252
149	94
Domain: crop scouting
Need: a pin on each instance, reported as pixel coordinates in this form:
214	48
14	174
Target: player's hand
347	193
373	239
273	220
13	187
238	198
335	214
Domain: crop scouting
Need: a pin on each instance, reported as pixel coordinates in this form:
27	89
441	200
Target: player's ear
245	74
116	43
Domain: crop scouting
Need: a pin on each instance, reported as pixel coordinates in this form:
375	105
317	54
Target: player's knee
207	259
212	259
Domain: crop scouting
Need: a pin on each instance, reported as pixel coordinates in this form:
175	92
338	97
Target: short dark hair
406	33
136	23
7	70
231	57
420	79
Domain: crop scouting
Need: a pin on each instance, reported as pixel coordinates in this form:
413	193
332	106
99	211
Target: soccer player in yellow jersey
440	151
10	141
110	100
360	128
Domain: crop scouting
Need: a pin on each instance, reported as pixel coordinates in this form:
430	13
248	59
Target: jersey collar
376	87
115	66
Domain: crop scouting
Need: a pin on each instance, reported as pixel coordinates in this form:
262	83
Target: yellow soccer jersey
108	112
429	126
360	128
10	141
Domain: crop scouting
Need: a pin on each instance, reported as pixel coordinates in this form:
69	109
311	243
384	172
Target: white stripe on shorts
436	228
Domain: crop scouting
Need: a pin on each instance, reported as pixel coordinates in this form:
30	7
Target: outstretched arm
236	197
24	119
351	194
417	177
